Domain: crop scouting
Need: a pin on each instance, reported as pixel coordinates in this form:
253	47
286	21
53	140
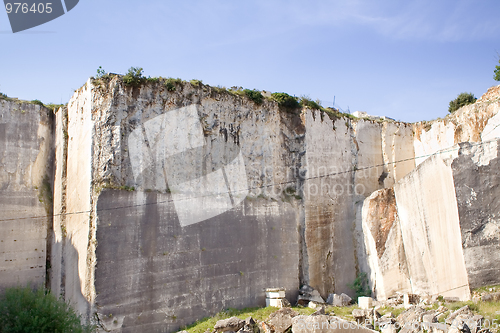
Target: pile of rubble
418	319
286	320
422	314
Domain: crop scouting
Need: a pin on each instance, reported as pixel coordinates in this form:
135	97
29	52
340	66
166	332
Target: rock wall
441	222
475	174
472	123
26	157
195	200
345	162
429	221
181	216
388	266
173	204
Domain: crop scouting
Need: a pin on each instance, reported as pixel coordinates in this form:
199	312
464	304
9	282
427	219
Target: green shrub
171	83
153	79
100	72
220	89
134	77
306	102
462	100
25	310
36	102
3	96
196	83
496	77
286	101
360	285
254	95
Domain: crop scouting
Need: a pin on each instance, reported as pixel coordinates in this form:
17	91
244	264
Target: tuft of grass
457	305
344	312
127	188
55	107
308	103
153	79
389	309
36	102
486	289
196	83
220	89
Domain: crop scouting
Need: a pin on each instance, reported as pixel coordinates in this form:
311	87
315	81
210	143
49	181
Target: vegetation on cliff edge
462	100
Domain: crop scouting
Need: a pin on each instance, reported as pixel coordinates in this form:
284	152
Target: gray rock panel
477	187
26	154
157	276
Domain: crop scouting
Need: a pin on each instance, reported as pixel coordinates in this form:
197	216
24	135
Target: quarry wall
26	159
172	204
439	234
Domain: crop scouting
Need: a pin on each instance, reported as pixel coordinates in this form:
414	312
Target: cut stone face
163	148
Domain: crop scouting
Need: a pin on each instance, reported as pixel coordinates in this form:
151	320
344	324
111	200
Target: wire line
355	169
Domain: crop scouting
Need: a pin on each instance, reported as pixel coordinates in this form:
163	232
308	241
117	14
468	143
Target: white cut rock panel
428	213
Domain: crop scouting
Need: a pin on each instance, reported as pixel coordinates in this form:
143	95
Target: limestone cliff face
475	175
388	266
472	123
346	161
194	200
191	200
172	204
26	157
446	214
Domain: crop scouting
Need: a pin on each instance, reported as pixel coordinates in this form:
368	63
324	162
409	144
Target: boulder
429	318
314	305
320	311
389	328
494	297
265	327
251	325
281	320
411	299
325	324
231	324
365	302
309	294
412	315
338	300
460	314
451	299
360	315
306	289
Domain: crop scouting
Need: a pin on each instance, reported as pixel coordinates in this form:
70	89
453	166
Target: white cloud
418	19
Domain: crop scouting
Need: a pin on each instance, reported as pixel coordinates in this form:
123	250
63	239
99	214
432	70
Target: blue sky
402	59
